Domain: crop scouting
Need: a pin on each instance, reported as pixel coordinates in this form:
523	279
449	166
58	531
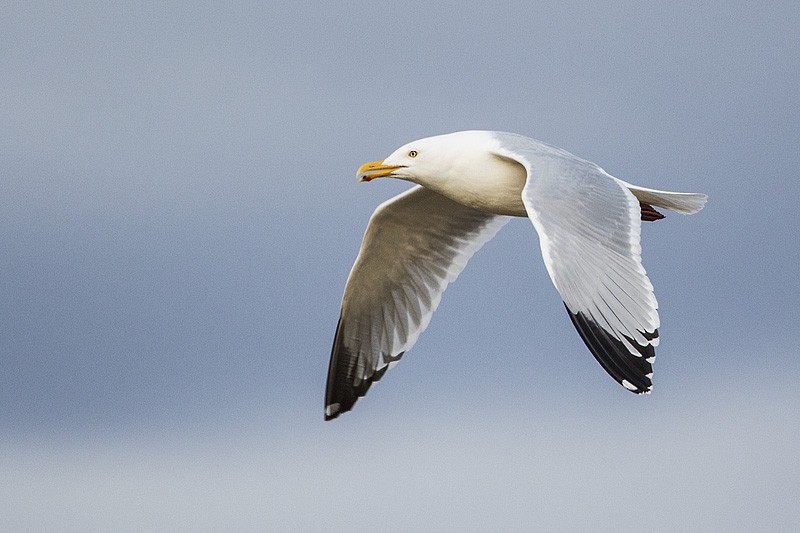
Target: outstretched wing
589	228
415	245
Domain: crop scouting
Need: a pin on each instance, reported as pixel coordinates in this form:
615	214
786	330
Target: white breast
489	183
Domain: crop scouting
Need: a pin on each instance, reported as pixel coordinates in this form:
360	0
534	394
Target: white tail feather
686	203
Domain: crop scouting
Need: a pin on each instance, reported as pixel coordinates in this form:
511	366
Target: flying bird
467	186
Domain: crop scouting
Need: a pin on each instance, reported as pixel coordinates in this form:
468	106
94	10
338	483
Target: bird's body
469	184
499	191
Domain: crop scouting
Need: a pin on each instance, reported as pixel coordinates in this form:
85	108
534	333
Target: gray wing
415	245
589	227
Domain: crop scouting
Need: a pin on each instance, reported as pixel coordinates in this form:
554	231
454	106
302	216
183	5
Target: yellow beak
375	169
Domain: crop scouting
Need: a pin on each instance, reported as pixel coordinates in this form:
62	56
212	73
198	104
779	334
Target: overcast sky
179	213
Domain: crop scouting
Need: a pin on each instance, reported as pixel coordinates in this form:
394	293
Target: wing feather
415	245
589	229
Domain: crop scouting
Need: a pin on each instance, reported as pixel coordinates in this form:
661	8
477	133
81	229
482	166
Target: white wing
415	245
589	227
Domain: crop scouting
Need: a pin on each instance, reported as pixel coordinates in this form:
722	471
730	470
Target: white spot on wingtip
649	376
651	360
331	409
628	385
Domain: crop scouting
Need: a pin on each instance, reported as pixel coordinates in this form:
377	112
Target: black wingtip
632	371
332	411
347	396
341	393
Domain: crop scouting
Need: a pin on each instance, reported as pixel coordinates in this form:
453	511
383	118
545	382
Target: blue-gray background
178	215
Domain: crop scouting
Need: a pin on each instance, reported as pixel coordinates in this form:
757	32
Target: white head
433	158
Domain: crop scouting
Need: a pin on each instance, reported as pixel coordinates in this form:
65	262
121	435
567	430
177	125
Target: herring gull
467	186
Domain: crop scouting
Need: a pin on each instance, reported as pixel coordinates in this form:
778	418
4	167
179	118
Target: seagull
468	185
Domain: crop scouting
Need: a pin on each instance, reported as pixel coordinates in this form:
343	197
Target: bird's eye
412	153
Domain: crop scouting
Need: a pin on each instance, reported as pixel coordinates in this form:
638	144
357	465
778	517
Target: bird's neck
492	184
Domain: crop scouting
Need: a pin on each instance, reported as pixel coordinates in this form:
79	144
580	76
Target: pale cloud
703	461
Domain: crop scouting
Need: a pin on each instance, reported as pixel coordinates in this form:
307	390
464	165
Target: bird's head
432	158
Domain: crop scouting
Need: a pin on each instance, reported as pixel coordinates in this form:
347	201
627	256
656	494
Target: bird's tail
686	203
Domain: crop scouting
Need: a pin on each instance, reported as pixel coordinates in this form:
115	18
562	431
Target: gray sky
179	213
